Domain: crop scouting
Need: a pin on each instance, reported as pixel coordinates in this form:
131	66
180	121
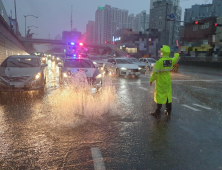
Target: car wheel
117	72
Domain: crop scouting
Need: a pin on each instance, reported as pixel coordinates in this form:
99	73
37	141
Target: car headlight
43	58
140	68
123	68
58	58
152	64
99	76
65	75
38	76
94	62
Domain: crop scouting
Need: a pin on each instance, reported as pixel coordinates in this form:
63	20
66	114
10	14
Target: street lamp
25	20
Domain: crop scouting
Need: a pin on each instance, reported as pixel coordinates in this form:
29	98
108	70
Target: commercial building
138	44
90	31
107	21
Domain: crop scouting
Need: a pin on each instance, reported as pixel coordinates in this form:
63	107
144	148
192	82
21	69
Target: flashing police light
74	55
72	43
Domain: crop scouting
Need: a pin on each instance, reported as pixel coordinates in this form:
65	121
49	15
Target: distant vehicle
121	66
72	65
149	61
59	58
98	61
141	64
41	56
22	73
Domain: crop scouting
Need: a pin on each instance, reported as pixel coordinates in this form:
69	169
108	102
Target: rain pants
161	74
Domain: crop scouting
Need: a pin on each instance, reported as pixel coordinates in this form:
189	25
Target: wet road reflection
58	129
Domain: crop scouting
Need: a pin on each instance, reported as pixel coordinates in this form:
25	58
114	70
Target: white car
22	73
142	65
71	66
98	61
121	66
150	62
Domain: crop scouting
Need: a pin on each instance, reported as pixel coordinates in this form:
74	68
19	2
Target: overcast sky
54	15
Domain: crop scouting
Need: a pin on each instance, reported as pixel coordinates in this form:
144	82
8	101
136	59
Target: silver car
22	73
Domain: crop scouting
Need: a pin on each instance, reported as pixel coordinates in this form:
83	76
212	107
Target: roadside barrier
175	68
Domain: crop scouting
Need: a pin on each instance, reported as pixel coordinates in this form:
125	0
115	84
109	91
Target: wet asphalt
53	131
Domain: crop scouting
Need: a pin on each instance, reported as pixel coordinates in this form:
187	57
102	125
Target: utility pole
71	18
16	18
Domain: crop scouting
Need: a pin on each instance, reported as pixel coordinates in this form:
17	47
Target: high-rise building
198	12
158	15
141	22
175	2
90	31
107	21
130	21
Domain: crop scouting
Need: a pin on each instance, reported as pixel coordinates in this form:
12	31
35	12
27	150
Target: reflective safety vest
161	74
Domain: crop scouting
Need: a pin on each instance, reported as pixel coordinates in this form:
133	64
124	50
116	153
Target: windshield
94	58
21	62
123	61
78	63
151	60
134	60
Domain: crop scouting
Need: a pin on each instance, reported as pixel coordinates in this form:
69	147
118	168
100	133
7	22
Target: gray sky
54	15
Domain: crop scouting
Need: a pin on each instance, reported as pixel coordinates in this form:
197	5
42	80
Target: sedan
22	73
121	66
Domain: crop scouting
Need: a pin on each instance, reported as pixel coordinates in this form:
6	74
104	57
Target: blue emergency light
72	43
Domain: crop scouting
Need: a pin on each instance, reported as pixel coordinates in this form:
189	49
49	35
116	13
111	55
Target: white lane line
199	87
190	107
174	98
143	88
97	159
208	108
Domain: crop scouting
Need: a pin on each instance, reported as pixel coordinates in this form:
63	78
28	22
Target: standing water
75	103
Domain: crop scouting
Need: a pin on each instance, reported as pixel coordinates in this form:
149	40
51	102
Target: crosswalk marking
190	107
208	108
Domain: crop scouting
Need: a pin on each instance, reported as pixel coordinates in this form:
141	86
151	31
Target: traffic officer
161	73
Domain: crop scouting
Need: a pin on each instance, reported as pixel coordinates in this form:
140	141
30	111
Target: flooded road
65	129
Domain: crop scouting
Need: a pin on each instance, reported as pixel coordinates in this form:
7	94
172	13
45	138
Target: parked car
121	66
22	73
150	62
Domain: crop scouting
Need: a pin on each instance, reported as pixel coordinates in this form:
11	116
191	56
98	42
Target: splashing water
75	104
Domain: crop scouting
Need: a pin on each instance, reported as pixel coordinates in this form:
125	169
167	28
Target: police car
74	65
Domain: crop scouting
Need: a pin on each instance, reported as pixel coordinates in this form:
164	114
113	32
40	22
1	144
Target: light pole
25	21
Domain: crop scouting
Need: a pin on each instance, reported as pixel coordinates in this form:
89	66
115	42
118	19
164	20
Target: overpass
59	42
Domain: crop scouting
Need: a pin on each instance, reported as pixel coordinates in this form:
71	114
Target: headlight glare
123	68
94	62
140	68
65	75
38	76
99	76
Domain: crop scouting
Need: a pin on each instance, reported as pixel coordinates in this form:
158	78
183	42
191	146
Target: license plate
17	85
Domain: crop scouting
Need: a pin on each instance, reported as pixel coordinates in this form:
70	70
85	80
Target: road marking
97	159
174	98
208	108
143	88
190	107
199	87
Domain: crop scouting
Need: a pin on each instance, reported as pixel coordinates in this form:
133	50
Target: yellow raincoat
161	74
